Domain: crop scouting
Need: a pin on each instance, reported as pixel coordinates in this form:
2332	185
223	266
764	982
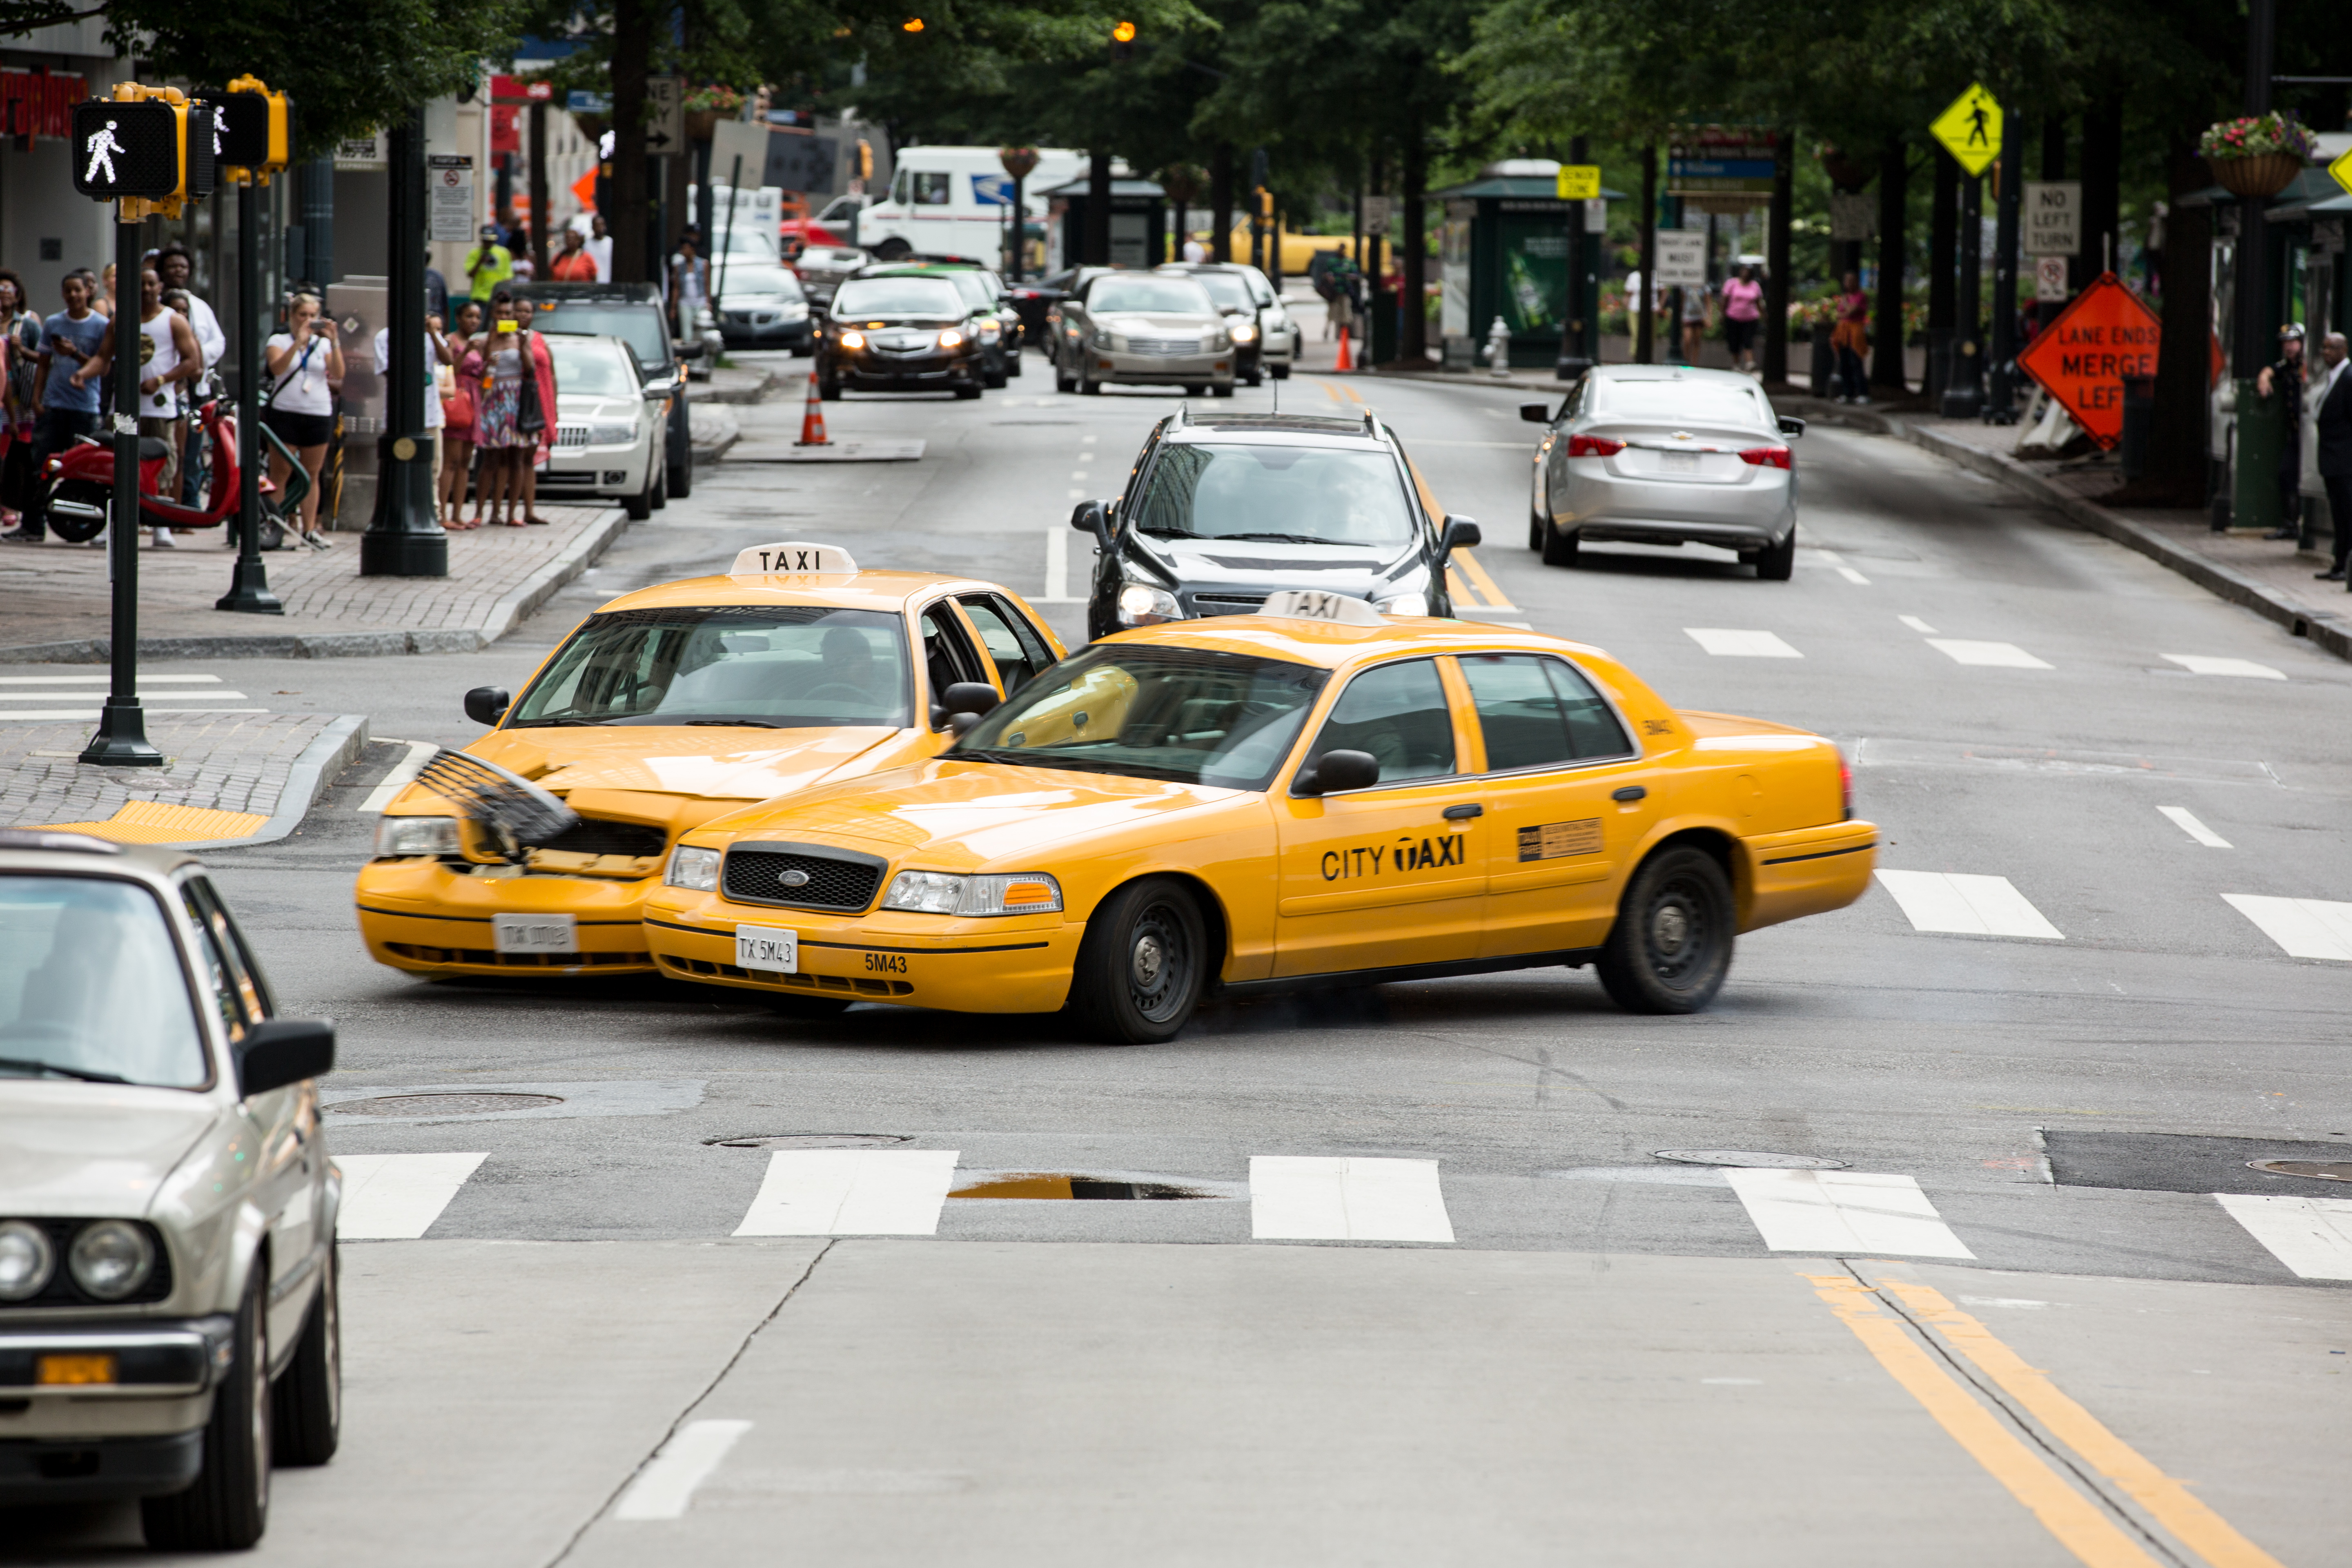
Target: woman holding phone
457	415
304	363
496	406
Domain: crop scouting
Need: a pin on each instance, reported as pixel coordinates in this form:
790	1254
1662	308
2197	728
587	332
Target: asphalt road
1533	1340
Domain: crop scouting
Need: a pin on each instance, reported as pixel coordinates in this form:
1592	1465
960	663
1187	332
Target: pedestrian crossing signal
253	128
146	146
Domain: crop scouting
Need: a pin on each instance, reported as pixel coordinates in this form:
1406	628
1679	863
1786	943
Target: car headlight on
951	339
26	1260
1141	604
611	435
1414	604
1244	333
853	340
398	836
941	893
111	1259
694	869
989	332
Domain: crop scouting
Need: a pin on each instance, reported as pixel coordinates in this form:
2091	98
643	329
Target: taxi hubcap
1670	930
1149	960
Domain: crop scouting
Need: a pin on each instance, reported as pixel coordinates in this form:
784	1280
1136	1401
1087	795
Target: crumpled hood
959	816
707	761
75	1149
1268	566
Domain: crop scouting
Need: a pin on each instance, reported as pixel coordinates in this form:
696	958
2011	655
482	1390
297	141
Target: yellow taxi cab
666	707
1313	794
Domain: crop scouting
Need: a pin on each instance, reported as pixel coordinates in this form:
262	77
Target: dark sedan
898	333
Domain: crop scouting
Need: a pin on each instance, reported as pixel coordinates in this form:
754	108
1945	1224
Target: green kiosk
1503	251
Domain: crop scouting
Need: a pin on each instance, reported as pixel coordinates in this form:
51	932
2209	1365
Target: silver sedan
1666	455
1145	328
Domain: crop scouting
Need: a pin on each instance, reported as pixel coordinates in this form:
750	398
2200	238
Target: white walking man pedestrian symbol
102	149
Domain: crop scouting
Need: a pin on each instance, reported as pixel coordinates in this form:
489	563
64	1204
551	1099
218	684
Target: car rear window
92	985
782	667
1697	400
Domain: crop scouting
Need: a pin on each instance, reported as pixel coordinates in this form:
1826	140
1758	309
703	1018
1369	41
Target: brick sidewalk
57	603
230	778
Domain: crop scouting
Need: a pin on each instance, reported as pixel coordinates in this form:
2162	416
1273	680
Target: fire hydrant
1498	349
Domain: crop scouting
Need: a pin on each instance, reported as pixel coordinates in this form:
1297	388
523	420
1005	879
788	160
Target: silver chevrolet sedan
1144	327
1666	455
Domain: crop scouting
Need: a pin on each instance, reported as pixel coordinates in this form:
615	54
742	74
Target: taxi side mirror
966	702
1536	412
1461	533
1093	517
1336	771
282	1051
487	704
1791	426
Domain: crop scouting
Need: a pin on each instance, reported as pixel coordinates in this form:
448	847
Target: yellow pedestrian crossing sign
2342	169
1971	129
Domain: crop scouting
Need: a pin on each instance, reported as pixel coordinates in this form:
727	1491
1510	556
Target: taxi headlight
853	340
951	339
691	867
111	1258
397	837
1141	604
941	893
26	1260
1415	603
1244	333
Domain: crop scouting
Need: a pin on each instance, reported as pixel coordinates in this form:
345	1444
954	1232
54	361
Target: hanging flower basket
2256	157
2257	179
701	124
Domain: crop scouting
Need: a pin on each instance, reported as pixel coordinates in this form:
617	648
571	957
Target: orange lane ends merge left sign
2082	358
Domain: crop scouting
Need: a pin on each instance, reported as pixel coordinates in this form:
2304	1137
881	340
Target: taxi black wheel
786	1005
1559	548
1671	946
307	1412
226	1507
1142	966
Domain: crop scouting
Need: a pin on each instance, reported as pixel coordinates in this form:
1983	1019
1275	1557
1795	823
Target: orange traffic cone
813	418
1346	362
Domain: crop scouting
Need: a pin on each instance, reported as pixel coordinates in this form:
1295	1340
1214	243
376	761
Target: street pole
2261	421
2001	409
1574	358
726	236
248	583
1964	395
121	738
405	538
1776	264
1644	327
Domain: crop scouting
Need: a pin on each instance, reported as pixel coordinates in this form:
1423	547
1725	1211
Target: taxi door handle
1630	792
1463	813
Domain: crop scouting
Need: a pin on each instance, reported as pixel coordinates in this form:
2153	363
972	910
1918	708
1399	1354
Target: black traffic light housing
151	148
255	137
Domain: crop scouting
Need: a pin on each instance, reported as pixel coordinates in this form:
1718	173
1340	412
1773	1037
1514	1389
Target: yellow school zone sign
1971	129
1580	182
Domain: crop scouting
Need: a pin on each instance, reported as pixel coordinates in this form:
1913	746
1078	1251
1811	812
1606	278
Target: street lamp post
405	538
121	738
1964	394
1575	353
2001	409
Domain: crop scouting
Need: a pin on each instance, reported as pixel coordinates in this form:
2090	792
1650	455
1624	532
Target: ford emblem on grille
794	879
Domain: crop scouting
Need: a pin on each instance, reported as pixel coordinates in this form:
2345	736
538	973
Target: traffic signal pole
248	583
405	539
121	738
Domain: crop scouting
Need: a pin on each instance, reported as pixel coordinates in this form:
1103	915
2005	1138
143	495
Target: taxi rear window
777	666
1193	715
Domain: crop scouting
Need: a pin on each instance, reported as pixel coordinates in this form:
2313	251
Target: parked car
761	304
1143	329
1266	340
1221	512
170	1323
633	313
609	437
1665	454
904	330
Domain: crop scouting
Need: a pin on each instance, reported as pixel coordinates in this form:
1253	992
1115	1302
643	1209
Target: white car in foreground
608	442
170	1323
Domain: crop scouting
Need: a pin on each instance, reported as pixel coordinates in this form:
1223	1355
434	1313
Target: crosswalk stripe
665	1486
2181	817
851	1192
1999	655
396	1197
1966	905
1303	1198
1844	1211
2311	1236
1917	624
1725	642
2205	664
2305	928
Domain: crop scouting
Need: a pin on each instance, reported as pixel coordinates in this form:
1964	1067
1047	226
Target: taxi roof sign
2083	356
1309	605
1971	129
792	557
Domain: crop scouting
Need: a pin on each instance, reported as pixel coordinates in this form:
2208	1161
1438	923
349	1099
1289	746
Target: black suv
633	313
1218	513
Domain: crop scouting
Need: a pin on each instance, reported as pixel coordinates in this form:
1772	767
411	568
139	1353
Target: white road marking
1843	1212
1851	576
1917	624
1057	566
39	715
2000	654
1080	474
851	1192
396	1197
1731	644
2202	663
402	774
2311	1236
665	1487
1302	1198
1967	905
2305	928
1077	495
1827	557
147	694
144	681
2181	817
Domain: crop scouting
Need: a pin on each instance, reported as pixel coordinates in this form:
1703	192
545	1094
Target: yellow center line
2095	1539
1330	389
1495	597
1457	587
2179	1511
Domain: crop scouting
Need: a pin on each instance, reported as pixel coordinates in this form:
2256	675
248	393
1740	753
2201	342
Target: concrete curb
505	615
337	747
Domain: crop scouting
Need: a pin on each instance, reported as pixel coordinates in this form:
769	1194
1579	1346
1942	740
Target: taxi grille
600	835
758	875
1163	345
1228	603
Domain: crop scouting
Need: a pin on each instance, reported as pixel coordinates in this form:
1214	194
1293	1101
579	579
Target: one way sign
665	127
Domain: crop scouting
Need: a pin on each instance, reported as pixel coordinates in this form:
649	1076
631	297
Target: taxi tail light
1767	457
1593	447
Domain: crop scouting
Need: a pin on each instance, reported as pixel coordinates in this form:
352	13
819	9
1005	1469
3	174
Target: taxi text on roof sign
1971	129
1308	604
2083	357
793	556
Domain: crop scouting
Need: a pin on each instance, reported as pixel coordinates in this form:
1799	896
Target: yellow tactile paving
159	822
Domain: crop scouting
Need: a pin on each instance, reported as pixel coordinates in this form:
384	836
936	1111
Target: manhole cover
2317	1170
810	1141
1748	1159
443	1104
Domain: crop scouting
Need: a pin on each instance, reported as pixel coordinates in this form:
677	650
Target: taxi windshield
776	667
1191	715
1301	495
91	986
